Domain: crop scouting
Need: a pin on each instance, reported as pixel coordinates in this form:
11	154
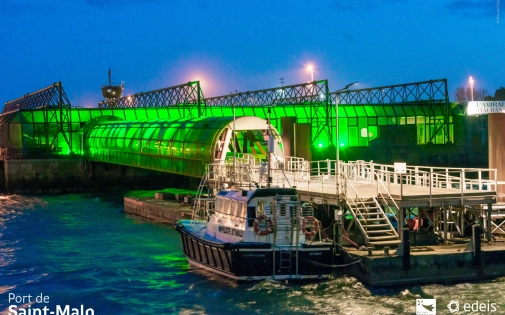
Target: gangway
374	193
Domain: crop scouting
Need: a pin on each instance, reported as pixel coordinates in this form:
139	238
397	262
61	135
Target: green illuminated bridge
178	130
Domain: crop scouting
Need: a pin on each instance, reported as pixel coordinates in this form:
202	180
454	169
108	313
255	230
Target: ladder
287	217
202	204
285	258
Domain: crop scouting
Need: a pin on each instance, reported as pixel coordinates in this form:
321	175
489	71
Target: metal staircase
371	220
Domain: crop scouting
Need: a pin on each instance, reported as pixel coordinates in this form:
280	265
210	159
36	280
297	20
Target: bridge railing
248	170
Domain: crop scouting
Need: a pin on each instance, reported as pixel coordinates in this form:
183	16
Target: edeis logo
453	306
426	306
477	306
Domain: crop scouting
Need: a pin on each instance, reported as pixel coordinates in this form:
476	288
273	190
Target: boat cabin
266	215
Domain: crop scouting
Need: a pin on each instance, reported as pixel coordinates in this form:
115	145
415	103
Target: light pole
337	143
311	69
471	87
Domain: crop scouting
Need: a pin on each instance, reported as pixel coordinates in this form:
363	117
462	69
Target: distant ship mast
112	91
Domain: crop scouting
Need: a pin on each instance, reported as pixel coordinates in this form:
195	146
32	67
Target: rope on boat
334	266
316	263
344	236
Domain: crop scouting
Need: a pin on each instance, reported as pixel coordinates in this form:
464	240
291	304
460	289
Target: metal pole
268	149
337	144
477	246
446	226
337	147
234	149
406	249
471	88
488	222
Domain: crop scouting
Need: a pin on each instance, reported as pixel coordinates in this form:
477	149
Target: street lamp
471	87
311	69
337	163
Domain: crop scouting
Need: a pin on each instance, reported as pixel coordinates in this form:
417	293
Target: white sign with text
485	107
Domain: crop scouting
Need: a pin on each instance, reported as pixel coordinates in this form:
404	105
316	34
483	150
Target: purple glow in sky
235	45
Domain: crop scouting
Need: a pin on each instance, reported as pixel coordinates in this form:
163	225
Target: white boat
260	233
250	232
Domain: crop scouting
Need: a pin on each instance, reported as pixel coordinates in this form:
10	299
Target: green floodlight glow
320	145
341	144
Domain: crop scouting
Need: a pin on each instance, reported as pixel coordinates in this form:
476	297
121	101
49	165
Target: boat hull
255	261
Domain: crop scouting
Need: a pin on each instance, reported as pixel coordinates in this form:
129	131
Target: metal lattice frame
50	96
54	101
189	95
433	94
315	93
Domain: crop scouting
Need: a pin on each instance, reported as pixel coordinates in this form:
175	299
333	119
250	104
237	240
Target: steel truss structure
189	95
432	95
314	93
56	106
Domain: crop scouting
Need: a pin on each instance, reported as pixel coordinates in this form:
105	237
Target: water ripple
82	249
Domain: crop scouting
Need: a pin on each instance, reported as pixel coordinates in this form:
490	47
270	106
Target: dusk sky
245	45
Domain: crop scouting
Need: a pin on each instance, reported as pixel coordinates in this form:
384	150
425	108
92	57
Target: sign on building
485	107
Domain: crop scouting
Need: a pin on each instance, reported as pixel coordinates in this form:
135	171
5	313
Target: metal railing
386	198
320	176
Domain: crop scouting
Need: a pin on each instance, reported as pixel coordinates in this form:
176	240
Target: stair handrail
356	215
379	193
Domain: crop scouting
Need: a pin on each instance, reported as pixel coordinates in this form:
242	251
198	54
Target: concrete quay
431	264
157	210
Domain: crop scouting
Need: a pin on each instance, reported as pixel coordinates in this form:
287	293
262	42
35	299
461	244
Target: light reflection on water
82	249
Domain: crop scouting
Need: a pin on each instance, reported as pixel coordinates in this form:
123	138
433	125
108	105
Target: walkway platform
451	199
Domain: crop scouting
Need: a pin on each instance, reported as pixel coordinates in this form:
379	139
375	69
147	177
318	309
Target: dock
443	262
428	264
166	206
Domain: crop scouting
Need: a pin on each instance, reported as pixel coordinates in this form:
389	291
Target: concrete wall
435	155
288	134
497	149
429	267
73	174
32	175
157	210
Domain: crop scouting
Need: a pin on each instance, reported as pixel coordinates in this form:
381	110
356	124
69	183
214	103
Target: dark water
83	250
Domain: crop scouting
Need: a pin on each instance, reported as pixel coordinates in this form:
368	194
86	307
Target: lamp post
337	162
471	87
311	69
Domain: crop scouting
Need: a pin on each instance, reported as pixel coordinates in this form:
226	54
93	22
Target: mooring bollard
406	249
477	253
